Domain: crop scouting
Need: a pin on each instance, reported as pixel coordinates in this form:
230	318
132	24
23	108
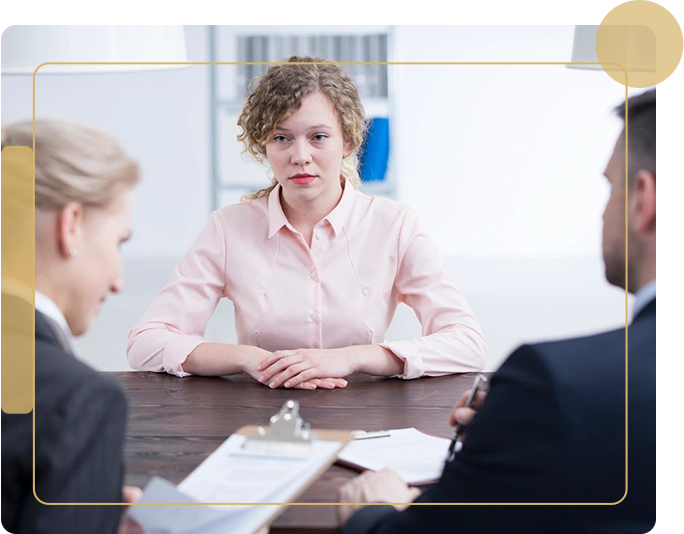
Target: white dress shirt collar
47	307
643	297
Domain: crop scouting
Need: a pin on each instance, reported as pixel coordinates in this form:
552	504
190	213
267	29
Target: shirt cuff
177	351
407	352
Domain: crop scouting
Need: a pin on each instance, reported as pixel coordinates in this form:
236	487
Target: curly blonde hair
280	92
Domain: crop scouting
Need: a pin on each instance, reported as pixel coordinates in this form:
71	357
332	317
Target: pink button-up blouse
368	255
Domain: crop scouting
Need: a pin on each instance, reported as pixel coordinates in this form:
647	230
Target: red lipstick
302	178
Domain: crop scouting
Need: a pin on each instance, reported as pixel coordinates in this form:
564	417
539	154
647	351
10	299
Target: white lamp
632	46
24	48
584	48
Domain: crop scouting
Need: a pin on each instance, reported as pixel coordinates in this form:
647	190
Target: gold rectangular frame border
383	63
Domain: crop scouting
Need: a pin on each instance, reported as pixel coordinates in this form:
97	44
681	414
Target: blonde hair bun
74	163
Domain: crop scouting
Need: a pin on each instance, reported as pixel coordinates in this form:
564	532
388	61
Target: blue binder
375	150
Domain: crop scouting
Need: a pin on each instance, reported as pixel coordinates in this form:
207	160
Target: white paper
230	475
227	473
170	519
415	456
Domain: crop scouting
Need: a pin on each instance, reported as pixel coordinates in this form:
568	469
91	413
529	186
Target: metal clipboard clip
287	434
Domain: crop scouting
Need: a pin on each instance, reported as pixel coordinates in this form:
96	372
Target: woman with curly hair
314	268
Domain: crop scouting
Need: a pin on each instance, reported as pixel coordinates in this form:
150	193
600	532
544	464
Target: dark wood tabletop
175	423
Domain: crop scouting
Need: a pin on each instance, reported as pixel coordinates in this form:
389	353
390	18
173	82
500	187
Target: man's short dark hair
641	116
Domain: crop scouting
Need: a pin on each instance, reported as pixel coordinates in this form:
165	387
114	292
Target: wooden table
175	423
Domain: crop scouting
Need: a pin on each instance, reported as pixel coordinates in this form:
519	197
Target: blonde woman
83	185
314	268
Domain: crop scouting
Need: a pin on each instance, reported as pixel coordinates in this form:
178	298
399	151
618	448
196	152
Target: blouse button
319	236
365	291
314	318
313	275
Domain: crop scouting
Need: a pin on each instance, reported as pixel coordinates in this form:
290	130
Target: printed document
416	457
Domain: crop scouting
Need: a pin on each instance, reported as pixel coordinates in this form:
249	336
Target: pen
362	434
456	442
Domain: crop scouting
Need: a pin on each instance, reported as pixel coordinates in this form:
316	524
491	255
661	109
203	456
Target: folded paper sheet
417	457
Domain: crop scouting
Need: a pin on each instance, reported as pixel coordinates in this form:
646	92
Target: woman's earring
73	251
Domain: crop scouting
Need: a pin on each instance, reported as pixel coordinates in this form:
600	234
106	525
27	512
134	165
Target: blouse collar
337	217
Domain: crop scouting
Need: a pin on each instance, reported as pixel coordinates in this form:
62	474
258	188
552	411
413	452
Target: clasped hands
305	368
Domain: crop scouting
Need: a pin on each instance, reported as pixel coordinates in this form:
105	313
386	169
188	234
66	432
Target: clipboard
341	436
286	439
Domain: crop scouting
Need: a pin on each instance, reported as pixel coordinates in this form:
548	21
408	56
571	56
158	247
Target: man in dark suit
80	419
553	426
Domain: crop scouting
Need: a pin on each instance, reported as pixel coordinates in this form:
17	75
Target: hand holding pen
463	412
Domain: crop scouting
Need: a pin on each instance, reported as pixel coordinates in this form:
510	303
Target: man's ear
70	229
643	213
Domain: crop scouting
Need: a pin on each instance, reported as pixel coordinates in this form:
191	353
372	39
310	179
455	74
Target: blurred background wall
502	163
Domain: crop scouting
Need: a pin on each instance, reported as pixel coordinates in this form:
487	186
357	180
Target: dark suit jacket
80	419
552	430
